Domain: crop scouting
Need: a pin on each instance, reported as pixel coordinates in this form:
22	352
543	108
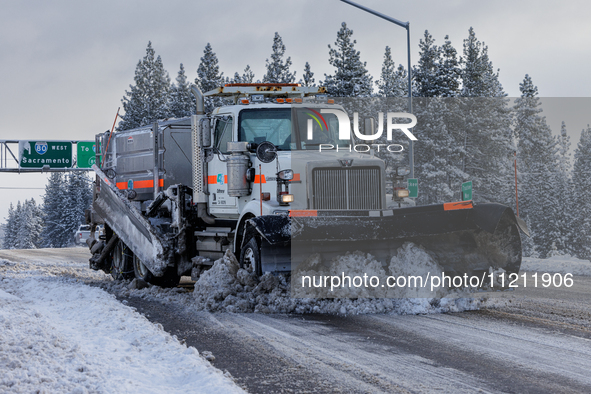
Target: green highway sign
85	154
413	187
467	191
37	154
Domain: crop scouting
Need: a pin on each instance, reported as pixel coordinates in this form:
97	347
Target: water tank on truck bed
130	160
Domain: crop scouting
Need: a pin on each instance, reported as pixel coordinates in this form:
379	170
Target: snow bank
557	264
59	335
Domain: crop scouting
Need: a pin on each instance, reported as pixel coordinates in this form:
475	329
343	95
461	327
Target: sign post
413	187
467	191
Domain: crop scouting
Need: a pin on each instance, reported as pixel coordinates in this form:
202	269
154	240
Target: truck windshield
266	124
316	128
290	128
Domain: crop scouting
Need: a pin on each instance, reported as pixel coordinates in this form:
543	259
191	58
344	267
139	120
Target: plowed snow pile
227	287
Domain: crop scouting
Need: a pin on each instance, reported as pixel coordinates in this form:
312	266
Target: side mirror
205	131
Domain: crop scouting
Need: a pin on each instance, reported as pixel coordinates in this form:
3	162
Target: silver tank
130	157
237	164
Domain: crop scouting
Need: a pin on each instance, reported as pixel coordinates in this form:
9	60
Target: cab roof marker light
245	101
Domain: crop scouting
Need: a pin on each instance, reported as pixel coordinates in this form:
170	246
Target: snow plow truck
270	178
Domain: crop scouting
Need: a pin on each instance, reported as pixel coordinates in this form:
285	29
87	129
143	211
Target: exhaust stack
199	164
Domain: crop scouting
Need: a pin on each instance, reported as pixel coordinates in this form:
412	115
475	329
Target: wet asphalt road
539	342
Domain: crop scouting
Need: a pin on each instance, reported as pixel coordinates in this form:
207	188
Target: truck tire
121	266
169	279
250	257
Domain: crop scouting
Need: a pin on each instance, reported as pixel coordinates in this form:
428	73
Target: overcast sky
65	64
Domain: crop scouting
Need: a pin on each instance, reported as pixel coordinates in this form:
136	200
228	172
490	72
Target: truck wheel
169	279
121	267
250	257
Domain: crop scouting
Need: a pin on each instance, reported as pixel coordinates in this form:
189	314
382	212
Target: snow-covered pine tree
478	76
582	202
538	201
38	222
277	69
308	77
24	221
438	72
237	79
351	78
10	229
20	221
425	73
247	75
29	226
447	75
528	246
148	99
439	149
209	77
488	142
393	81
565	189
53	202
182	102
78	199
2	234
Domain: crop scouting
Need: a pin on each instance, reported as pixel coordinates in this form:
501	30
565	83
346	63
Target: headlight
286	175
401	193
286	198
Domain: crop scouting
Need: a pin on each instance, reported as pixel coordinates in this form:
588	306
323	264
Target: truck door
219	201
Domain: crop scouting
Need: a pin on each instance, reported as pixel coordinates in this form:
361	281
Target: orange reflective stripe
213	179
450	206
303	213
296	177
140	184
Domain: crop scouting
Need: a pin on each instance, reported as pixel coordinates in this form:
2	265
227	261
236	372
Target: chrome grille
347	188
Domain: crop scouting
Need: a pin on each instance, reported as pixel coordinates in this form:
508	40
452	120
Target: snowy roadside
557	264
59	335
